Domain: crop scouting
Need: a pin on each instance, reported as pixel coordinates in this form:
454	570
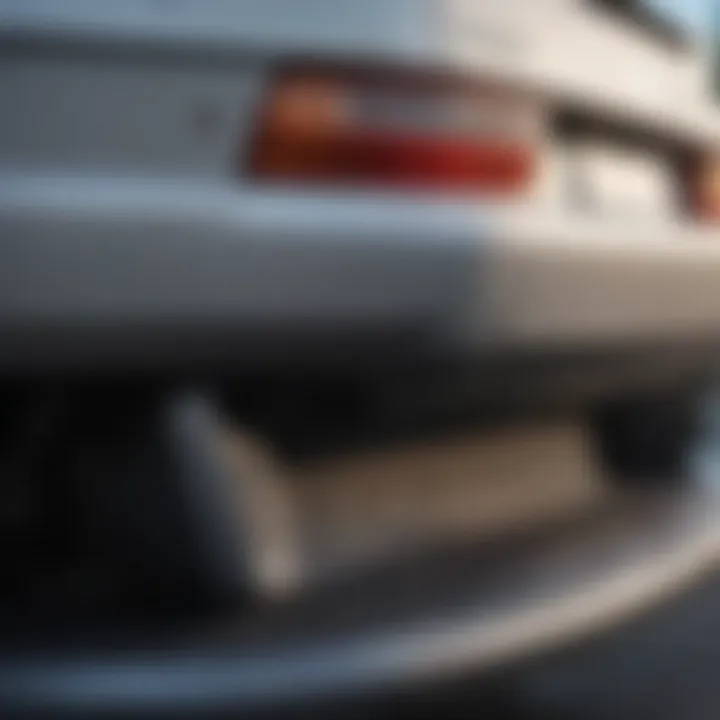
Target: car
346	347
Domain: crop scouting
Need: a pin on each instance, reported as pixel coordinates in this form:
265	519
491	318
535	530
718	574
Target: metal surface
126	265
358	508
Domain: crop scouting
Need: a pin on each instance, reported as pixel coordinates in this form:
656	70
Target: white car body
120	204
130	240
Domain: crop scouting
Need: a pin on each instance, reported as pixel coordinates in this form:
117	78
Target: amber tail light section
320	130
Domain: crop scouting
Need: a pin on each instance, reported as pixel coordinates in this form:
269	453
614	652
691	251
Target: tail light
707	190
332	131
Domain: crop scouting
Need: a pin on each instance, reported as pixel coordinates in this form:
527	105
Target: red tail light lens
319	130
707	195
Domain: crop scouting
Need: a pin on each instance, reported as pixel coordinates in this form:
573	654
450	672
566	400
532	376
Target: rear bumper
98	270
579	583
